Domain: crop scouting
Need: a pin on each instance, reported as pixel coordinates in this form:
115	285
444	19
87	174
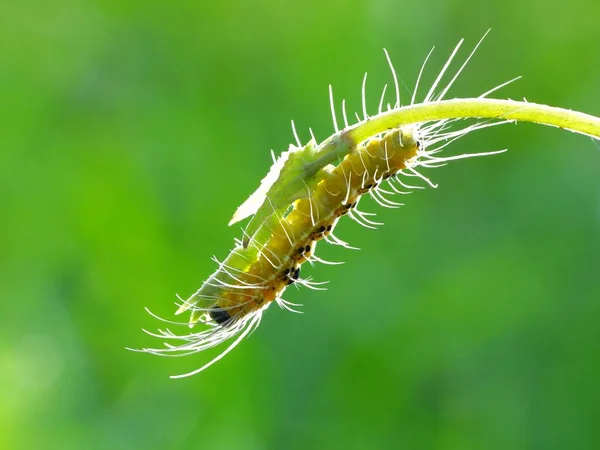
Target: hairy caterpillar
299	204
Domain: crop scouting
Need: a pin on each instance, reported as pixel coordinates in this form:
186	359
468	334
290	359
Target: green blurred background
131	130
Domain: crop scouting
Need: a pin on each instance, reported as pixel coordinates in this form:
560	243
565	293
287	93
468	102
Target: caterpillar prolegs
299	203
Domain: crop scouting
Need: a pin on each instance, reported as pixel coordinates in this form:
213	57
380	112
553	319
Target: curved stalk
484	108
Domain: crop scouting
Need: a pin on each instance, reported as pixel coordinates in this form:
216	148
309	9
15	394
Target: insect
299	204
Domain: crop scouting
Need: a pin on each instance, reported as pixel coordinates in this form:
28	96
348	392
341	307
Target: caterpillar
299	204
293	238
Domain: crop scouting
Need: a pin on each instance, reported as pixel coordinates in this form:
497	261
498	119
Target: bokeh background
131	130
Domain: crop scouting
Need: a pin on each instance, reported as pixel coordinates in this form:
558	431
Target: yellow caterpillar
294	237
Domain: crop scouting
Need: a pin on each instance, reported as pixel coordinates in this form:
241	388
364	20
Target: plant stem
339	144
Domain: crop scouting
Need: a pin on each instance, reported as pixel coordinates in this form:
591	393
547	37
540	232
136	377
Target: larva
233	299
299	204
293	238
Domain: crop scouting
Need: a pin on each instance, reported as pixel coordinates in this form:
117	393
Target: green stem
487	108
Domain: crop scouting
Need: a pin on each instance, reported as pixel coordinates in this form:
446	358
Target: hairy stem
339	144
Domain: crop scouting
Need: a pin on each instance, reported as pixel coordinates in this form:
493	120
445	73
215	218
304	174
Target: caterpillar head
408	137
